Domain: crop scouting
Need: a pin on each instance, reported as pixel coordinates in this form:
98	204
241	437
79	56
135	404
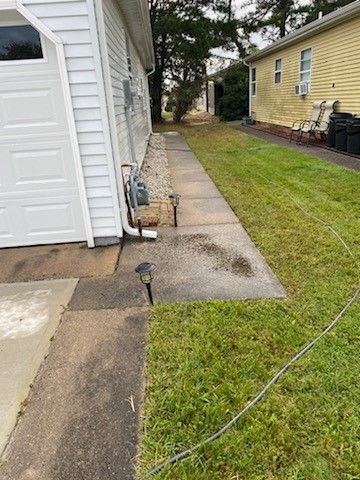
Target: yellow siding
335	75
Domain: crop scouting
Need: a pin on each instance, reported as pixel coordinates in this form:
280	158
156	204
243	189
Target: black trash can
341	135
334	117
353	136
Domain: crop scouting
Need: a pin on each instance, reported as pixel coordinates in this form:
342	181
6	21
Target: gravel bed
155	169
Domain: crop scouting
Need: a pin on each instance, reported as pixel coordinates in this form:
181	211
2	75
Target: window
278	66
253	82
20	42
305	65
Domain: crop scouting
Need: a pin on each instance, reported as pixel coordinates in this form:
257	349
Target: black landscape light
175	200
145	271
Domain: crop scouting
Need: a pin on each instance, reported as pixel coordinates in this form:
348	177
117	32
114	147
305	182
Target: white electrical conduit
186	453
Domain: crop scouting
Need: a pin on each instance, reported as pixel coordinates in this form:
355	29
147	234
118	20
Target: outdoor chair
321	126
314	119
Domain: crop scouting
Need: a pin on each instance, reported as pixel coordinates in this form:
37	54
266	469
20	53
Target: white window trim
28	61
305	71
253	82
278	71
43	29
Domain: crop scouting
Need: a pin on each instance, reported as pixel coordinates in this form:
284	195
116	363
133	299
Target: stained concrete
82	420
75	260
194	263
29	315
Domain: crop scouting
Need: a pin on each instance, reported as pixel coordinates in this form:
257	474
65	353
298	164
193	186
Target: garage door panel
31	109
41	221
6	231
37	167
49	216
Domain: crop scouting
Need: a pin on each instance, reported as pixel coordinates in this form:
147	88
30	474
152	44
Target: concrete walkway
209	256
332	156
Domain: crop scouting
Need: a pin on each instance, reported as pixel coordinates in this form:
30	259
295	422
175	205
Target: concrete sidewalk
209	256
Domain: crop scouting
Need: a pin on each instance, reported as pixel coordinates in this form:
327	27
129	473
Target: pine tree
276	18
325	7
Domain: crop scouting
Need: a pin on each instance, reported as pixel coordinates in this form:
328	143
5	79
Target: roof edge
334	18
137	17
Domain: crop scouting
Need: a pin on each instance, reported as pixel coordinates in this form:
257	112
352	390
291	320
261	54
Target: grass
206	360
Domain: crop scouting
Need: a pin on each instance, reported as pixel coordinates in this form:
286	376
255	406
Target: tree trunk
156	94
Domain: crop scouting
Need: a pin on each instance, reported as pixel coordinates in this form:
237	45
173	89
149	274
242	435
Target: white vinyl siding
70	21
119	58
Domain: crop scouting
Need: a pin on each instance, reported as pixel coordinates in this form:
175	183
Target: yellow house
320	61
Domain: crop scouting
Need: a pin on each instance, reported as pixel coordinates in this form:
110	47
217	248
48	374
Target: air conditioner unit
302	89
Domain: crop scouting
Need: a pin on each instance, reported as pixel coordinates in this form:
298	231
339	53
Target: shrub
233	105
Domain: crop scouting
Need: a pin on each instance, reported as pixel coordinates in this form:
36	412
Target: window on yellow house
253	82
278	67
305	65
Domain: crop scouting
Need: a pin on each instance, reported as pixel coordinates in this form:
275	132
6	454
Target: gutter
137	18
334	18
146	21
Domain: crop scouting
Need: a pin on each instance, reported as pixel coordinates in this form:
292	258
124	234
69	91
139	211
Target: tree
185	32
276	18
324	6
234	103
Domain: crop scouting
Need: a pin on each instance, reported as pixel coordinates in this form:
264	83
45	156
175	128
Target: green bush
234	104
170	104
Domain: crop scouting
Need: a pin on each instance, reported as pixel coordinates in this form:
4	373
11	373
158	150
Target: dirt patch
201	243
241	266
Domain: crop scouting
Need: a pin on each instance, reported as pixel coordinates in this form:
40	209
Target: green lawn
206	360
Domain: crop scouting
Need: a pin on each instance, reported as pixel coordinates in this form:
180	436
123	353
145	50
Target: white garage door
39	197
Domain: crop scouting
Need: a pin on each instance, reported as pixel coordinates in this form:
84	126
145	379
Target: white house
63	129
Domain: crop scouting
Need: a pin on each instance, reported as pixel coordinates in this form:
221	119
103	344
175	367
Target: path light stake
175	200
145	271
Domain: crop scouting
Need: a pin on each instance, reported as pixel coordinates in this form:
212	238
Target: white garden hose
186	453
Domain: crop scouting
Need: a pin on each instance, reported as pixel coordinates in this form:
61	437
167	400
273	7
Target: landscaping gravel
155	169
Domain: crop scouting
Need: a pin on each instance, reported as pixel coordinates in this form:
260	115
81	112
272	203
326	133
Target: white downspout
250	96
250	90
113	132
148	97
